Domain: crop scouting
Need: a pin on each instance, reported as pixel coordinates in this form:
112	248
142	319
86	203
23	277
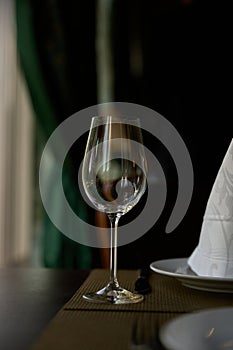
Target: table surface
29	298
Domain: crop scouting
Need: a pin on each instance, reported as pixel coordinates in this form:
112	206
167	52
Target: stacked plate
179	269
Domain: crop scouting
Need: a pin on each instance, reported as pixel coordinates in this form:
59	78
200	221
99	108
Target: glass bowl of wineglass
114	179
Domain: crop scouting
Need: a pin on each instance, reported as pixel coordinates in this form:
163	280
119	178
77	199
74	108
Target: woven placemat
82	325
168	295
94	330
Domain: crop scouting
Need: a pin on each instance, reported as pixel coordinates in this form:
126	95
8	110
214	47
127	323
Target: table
29	298
43	309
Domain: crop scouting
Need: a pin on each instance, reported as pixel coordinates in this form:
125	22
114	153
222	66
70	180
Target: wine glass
114	179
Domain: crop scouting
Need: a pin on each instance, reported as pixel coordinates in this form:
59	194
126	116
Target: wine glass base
116	296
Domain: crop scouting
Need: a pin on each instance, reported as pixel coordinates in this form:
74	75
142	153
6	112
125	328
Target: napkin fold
214	254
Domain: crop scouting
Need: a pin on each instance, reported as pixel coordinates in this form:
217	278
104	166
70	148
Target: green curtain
57	250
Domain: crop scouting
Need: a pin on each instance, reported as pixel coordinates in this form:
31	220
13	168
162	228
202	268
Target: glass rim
106	119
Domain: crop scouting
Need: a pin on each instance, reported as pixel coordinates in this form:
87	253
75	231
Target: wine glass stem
114	219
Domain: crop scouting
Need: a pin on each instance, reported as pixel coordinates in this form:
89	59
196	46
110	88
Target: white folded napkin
214	254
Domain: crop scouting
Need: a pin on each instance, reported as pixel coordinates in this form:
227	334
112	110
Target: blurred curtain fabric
16	148
58	60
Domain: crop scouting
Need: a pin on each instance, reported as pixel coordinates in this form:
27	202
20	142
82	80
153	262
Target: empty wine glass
114	179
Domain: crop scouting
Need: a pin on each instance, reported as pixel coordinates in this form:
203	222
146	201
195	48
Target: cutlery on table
145	336
142	285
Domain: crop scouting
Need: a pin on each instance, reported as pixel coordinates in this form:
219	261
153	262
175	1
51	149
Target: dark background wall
184	72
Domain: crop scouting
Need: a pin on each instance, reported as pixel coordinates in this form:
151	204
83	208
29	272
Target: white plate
179	269
206	330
